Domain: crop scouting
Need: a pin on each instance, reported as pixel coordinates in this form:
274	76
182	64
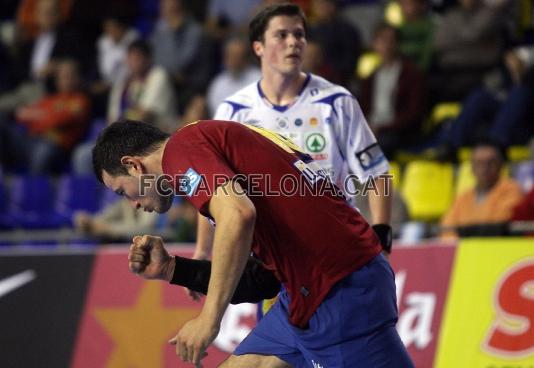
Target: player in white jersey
324	119
321	117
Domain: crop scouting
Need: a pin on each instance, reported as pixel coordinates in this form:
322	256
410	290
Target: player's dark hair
259	23
141	46
484	141
124	138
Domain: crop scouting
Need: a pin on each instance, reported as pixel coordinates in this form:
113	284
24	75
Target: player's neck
282	89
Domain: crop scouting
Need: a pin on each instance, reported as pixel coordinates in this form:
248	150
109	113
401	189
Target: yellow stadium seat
464	177
427	189
395	171
393	14
367	64
518	153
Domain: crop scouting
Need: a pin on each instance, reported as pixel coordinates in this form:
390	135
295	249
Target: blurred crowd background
446	86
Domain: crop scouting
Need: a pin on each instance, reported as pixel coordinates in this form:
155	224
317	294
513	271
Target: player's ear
257	46
133	165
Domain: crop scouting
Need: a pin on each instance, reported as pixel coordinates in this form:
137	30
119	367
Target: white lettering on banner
415	322
232	331
400	280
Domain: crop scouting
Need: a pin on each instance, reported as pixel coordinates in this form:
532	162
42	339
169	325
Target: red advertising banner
127	321
422	278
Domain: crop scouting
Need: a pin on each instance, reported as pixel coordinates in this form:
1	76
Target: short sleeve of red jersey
195	160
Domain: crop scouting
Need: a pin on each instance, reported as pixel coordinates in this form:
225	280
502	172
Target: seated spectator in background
112	47
503	114
467	43
33	59
119	221
225	16
28	17
145	93
238	72
339	39
393	97
416	32
179	43
196	109
182	221
47	130
493	198
313	61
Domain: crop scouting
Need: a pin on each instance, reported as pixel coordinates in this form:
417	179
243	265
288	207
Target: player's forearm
205	233
381	201
233	237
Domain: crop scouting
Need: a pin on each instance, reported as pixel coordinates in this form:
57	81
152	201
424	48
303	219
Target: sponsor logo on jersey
370	157
298	122
319	156
315	142
189	183
282	122
314	122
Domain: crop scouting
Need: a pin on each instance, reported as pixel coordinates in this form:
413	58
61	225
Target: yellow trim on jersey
285	143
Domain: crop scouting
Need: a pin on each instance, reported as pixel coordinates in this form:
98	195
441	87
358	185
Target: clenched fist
149	259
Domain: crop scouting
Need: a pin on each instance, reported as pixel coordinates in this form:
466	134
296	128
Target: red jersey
310	240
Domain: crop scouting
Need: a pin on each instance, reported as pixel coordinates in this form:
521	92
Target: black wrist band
191	273
385	235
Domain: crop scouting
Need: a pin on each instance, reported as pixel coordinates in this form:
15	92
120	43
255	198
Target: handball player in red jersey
337	307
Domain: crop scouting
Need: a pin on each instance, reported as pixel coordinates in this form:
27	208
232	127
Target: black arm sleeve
256	283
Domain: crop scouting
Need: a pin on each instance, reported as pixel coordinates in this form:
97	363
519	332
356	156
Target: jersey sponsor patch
370	157
315	142
190	182
311	171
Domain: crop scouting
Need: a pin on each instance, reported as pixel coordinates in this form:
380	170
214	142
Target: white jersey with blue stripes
325	120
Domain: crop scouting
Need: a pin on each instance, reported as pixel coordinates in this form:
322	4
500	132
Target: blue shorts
353	327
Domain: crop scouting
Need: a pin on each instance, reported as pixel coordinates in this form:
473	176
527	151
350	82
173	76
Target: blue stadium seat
30	203
77	193
6	221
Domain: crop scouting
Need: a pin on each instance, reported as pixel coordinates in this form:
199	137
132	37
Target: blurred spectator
503	114
34	59
179	43
112	47
467	42
313	61
196	109
393	97
119	221
145	92
53	125
225	16
238	72
493	198
182	221
416	32
338	38
28	18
